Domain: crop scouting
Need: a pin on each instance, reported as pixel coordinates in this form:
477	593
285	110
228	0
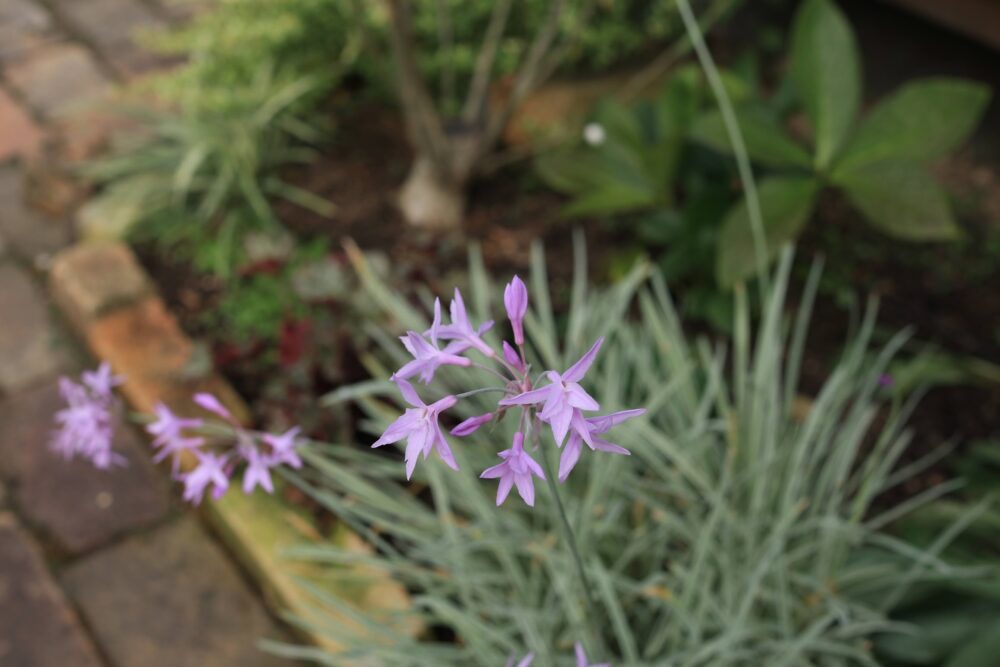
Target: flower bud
515	300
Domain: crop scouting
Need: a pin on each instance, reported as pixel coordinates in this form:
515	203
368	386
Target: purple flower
460	329
525	661
211	471
427	358
511	356
168	434
419	425
214	405
471	425
516	469
886	380
563	398
581	658
86	424
258	472
283	447
101	381
594	426
515	300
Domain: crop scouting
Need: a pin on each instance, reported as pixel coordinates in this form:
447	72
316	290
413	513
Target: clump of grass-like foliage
743	530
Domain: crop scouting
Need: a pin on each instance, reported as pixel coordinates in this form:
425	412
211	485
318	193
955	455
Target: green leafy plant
740	531
876	161
634	167
629	157
204	174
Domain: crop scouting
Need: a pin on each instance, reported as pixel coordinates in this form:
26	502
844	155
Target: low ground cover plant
741	529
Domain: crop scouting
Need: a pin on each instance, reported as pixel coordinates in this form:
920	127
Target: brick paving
97	568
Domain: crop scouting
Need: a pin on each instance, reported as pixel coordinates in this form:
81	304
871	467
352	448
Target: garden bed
938	290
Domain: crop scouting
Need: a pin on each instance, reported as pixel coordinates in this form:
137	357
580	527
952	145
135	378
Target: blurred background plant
201	176
877	162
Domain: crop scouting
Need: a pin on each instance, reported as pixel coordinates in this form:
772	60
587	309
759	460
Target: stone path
102	569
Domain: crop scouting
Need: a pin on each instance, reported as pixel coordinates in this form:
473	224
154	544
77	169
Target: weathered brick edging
113	306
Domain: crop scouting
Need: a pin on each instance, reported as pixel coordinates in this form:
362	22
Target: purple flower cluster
260	452
561	404
86	424
86	428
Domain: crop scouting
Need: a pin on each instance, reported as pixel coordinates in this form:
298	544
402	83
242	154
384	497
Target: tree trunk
429	199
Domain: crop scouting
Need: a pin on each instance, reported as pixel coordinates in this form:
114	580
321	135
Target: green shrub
203	175
878	161
741	531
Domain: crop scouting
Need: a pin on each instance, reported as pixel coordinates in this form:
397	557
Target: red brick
19	135
78	506
37	626
144	342
28	344
170	598
24	27
92	279
116	27
58	79
27	231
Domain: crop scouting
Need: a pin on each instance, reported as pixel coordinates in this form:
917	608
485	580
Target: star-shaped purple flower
86	425
563	398
168	434
258	472
102	381
460	330
594	426
516	470
211	472
283	447
427	358
419	425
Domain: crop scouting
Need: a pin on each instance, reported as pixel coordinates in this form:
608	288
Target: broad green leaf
902	200
786	203
609	199
569	171
920	121
826	69
765	141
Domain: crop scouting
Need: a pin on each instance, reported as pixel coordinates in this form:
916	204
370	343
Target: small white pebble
593	134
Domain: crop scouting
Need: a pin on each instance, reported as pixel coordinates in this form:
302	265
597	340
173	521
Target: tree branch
528	77
479	88
423	123
447	38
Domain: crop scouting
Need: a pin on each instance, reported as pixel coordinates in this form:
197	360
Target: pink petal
506	482
529	397
495	471
569	458
526	489
410	394
579	398
576	372
397	430
212	404
559	422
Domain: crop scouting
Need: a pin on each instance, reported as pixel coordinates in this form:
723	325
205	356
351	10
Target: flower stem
572	545
473	392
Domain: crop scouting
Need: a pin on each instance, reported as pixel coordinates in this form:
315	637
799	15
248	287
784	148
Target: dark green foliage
878	162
